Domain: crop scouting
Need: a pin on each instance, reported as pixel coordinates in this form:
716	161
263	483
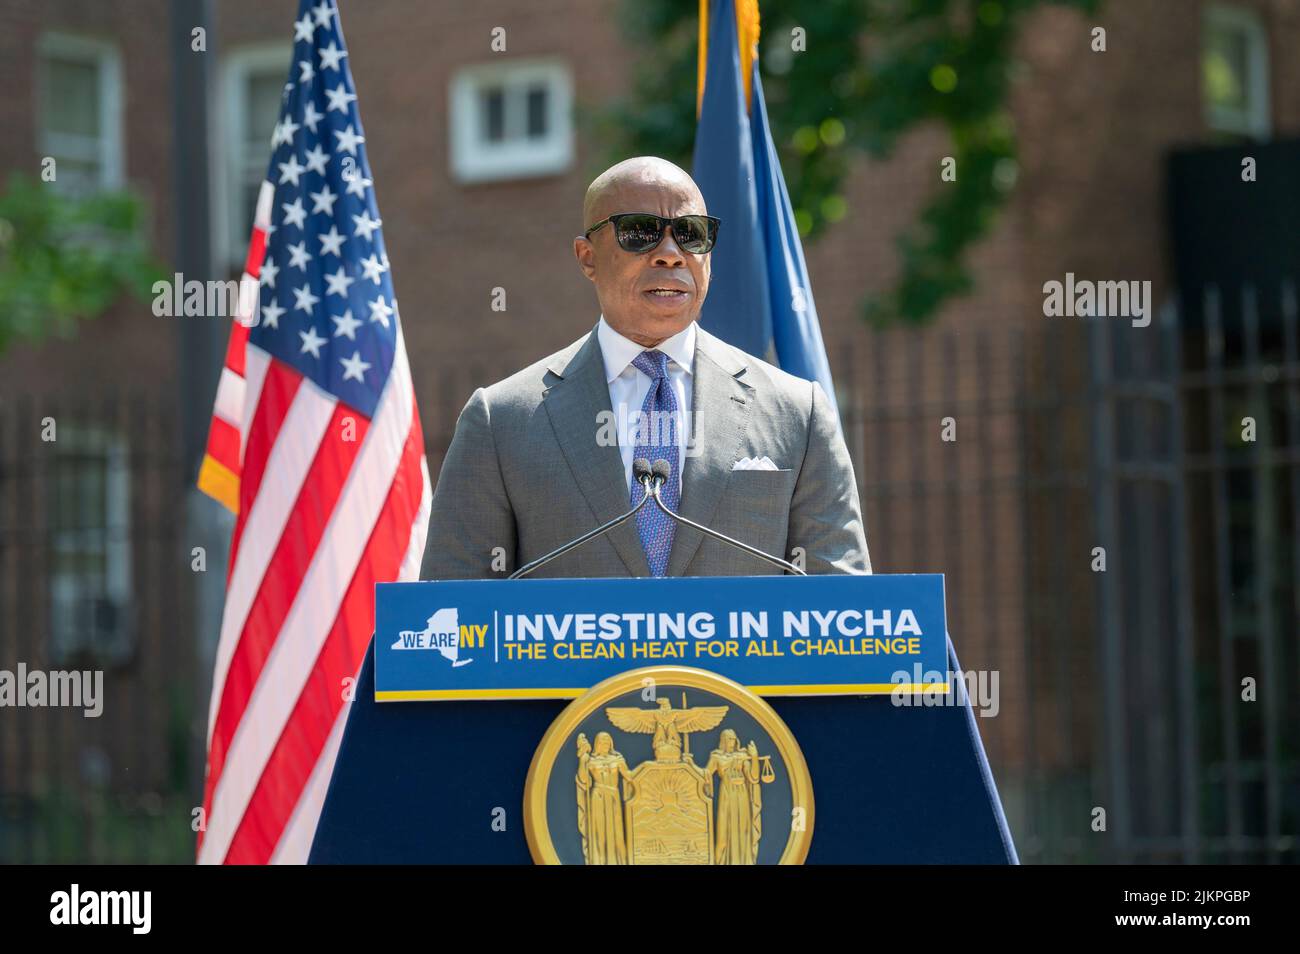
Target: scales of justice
666	812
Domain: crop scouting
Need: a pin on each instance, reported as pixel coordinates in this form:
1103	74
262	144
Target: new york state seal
614	780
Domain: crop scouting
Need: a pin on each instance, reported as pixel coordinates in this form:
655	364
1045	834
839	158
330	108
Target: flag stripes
316	446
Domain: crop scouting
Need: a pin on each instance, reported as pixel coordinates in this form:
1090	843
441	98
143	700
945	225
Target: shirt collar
619	352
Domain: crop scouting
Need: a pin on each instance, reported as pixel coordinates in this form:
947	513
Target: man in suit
546	454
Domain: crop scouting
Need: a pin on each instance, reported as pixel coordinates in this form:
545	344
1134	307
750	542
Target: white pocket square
754	463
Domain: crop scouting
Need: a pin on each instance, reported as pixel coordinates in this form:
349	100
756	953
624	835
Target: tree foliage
871	71
64	259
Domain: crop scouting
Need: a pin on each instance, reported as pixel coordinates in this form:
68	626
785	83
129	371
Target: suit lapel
573	404
720	406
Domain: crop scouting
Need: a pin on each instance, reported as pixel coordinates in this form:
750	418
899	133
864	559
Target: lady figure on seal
739	801
600	805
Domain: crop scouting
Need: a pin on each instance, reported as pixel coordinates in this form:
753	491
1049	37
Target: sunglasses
640	232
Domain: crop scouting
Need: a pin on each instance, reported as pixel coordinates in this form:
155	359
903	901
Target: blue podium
463	679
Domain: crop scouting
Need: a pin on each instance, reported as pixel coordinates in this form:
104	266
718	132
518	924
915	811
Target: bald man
546	455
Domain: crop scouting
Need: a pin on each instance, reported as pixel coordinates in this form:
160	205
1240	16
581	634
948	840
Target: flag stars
357	185
345	324
291	170
373	268
270	314
316	176
284	132
323	201
348	140
310	116
304	300
330	56
268	273
339	98
338	283
299	256
379	311
311	342
294	213
331	243
303	29
354	368
316	158
365	225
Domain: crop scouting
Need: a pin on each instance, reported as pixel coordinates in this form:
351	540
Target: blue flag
760	298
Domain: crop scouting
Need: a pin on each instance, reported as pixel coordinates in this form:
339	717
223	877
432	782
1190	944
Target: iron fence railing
1006	458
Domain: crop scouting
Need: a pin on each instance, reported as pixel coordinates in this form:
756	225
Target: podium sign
555	638
819	764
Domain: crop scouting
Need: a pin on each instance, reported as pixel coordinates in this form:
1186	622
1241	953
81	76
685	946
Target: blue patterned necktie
657	440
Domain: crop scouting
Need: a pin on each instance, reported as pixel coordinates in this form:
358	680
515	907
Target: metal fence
95	576
1197	462
1014	461
1116	517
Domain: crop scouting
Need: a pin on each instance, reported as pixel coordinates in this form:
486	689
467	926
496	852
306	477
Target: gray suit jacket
526	473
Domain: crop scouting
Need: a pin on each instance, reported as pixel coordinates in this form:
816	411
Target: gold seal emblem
742	803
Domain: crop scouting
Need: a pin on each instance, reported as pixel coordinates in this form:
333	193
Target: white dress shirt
628	386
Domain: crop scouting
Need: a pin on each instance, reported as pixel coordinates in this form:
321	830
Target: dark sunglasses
642	231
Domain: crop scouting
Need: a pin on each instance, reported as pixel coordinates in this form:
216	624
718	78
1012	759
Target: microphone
660	472
642	472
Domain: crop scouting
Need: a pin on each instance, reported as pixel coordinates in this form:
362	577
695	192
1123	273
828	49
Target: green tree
872	70
65	259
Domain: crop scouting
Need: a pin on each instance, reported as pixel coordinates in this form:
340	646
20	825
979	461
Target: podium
442	781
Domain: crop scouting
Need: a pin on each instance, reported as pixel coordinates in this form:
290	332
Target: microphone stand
650	481
546	558
659	475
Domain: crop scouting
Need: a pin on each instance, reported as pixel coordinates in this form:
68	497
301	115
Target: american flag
316	446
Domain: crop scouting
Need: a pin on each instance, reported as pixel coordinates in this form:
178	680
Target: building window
79	112
1234	67
89	507
511	120
252	89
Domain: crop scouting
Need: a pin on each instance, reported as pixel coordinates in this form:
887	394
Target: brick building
480	166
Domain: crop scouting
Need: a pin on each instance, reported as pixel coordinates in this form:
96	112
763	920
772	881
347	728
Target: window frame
79	446
106	58
471	160
237	67
1256	119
